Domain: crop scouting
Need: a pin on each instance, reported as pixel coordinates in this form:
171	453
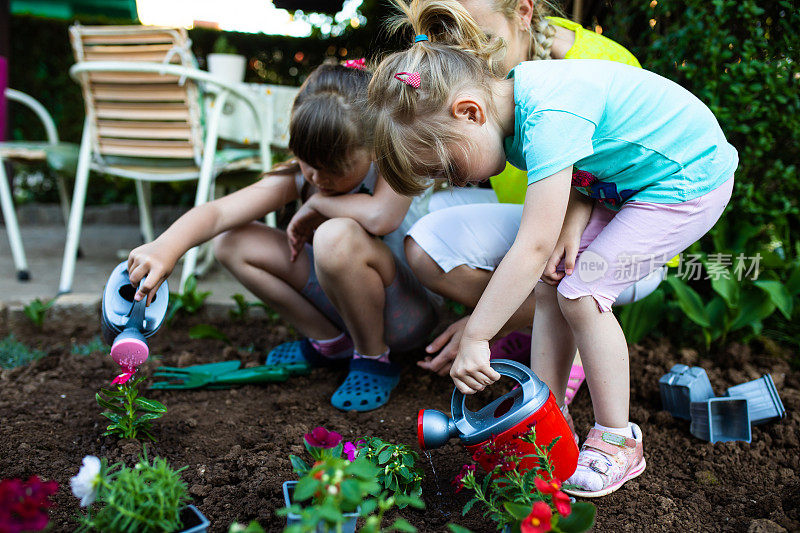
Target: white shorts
480	235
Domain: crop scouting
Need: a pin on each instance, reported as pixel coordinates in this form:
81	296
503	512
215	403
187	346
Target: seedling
207	331
129	413
13	353
398	470
93	346
189	301
36	311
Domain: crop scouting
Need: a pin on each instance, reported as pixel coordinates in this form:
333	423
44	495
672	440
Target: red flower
322	438
562	503
23	506
547	487
507	466
458	481
539	519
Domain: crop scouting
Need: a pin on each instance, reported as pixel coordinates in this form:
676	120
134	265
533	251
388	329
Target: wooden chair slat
142	112
144	130
132	55
131	77
139	93
143	148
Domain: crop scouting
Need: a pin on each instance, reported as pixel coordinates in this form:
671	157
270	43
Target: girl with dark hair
330	274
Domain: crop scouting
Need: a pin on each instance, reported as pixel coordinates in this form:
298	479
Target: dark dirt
236	442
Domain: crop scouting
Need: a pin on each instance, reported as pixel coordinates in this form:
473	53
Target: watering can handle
520	373
136	320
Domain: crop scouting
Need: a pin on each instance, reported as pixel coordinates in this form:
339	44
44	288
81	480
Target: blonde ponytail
413	134
448	22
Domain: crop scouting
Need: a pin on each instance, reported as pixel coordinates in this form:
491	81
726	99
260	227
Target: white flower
84	485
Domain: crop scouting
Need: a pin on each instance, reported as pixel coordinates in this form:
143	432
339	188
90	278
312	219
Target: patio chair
144	122
54	152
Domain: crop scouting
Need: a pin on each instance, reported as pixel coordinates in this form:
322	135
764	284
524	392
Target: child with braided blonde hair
652	152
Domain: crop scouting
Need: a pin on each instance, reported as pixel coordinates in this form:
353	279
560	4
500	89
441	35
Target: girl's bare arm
513	280
379	214
154	261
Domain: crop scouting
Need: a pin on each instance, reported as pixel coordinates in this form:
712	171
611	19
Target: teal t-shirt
638	135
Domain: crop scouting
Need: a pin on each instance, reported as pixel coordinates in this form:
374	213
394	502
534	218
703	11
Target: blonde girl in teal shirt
443	108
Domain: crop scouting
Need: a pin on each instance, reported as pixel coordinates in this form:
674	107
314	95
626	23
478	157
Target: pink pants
618	248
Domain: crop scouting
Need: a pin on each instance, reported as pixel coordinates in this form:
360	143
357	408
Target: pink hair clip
409	78
358	64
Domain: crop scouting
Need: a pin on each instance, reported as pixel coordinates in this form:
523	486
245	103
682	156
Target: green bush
740	58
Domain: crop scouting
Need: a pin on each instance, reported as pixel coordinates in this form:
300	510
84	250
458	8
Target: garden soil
235	443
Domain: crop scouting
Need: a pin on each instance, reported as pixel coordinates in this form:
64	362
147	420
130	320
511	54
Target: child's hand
471	371
448	343
567	250
301	228
148	266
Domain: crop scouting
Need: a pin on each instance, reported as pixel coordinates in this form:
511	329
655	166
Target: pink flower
539	519
127	373
350	451
322	438
23	506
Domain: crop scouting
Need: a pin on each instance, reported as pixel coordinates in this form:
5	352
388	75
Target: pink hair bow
409	78
358	64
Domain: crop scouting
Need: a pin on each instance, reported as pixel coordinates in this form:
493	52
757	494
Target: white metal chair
29	151
144	122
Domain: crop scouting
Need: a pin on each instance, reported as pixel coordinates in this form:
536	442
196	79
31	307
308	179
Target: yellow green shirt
510	185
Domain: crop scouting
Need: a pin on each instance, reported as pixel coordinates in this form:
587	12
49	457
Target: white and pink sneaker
606	462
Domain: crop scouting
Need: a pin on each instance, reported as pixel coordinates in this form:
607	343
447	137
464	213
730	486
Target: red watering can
531	404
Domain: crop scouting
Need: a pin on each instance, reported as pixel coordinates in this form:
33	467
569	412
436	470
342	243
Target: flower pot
291	518
763	402
228	67
193	520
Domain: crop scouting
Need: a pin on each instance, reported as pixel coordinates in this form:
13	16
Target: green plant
332	487
735	288
375	508
243	308
739	57
523	500
143	499
14	353
36	311
189	301
398	468
223	46
130	414
207	331
337	485
93	346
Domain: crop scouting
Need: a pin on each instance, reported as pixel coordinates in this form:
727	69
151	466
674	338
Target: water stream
439	499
